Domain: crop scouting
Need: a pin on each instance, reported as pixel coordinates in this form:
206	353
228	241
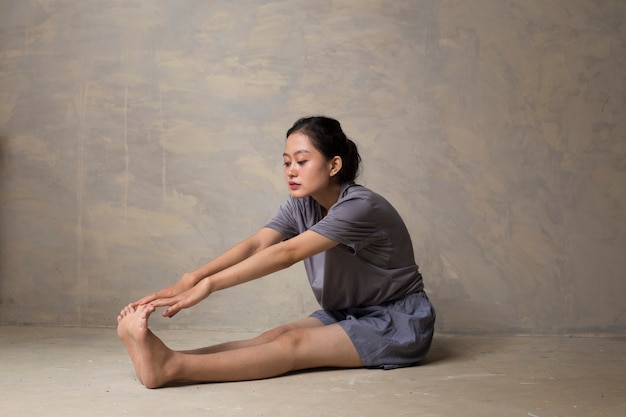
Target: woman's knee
295	341
275	333
279	331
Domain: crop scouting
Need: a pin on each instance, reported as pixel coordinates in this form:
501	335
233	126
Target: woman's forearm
270	259
258	265
243	250
229	258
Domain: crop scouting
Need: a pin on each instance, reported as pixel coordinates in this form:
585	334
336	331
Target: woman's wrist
192	277
206	285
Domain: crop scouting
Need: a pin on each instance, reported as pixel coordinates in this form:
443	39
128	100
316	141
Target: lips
294	185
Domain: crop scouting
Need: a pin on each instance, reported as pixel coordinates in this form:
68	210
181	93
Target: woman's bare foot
154	362
123	333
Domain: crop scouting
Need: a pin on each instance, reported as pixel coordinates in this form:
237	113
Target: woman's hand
182	300
185	283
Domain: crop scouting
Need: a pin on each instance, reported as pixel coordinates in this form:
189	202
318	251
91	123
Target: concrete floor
86	372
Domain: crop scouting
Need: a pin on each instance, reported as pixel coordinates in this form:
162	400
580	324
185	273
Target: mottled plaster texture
140	138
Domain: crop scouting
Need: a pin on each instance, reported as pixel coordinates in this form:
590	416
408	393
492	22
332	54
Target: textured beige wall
139	138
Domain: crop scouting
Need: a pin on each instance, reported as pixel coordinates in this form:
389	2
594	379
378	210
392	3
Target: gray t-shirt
373	263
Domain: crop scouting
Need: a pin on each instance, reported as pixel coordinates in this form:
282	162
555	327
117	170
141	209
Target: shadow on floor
446	348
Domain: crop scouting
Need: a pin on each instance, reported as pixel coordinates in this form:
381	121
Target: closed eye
287	164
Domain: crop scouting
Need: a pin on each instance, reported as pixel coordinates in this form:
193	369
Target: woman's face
307	171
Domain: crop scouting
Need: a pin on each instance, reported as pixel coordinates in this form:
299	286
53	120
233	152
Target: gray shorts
390	335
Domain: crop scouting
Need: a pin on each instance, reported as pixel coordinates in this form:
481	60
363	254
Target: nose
291	171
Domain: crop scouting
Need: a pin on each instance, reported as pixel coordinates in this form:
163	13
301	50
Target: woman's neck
329	197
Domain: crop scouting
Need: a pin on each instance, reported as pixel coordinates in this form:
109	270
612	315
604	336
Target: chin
298	194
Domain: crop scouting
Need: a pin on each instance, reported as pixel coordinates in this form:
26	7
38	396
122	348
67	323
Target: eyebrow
296	152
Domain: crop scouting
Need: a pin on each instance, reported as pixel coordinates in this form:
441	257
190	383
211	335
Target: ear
334	165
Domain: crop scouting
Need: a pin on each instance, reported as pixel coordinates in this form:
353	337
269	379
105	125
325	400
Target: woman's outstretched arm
263	262
248	247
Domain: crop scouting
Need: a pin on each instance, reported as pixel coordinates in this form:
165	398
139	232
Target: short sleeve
284	222
351	222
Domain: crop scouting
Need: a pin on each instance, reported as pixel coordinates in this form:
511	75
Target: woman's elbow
285	255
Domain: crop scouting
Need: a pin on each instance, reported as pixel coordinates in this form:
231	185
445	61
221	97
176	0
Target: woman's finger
171	312
147	299
162	302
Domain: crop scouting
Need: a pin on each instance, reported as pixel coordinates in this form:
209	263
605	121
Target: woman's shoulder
353	189
358	191
356	198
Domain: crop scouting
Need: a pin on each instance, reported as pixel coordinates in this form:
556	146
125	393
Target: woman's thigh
321	346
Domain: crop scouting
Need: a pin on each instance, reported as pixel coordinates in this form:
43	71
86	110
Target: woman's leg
263	338
308	346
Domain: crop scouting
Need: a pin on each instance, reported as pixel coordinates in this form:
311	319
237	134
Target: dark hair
328	137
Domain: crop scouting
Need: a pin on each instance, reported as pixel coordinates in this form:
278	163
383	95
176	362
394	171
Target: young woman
359	260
